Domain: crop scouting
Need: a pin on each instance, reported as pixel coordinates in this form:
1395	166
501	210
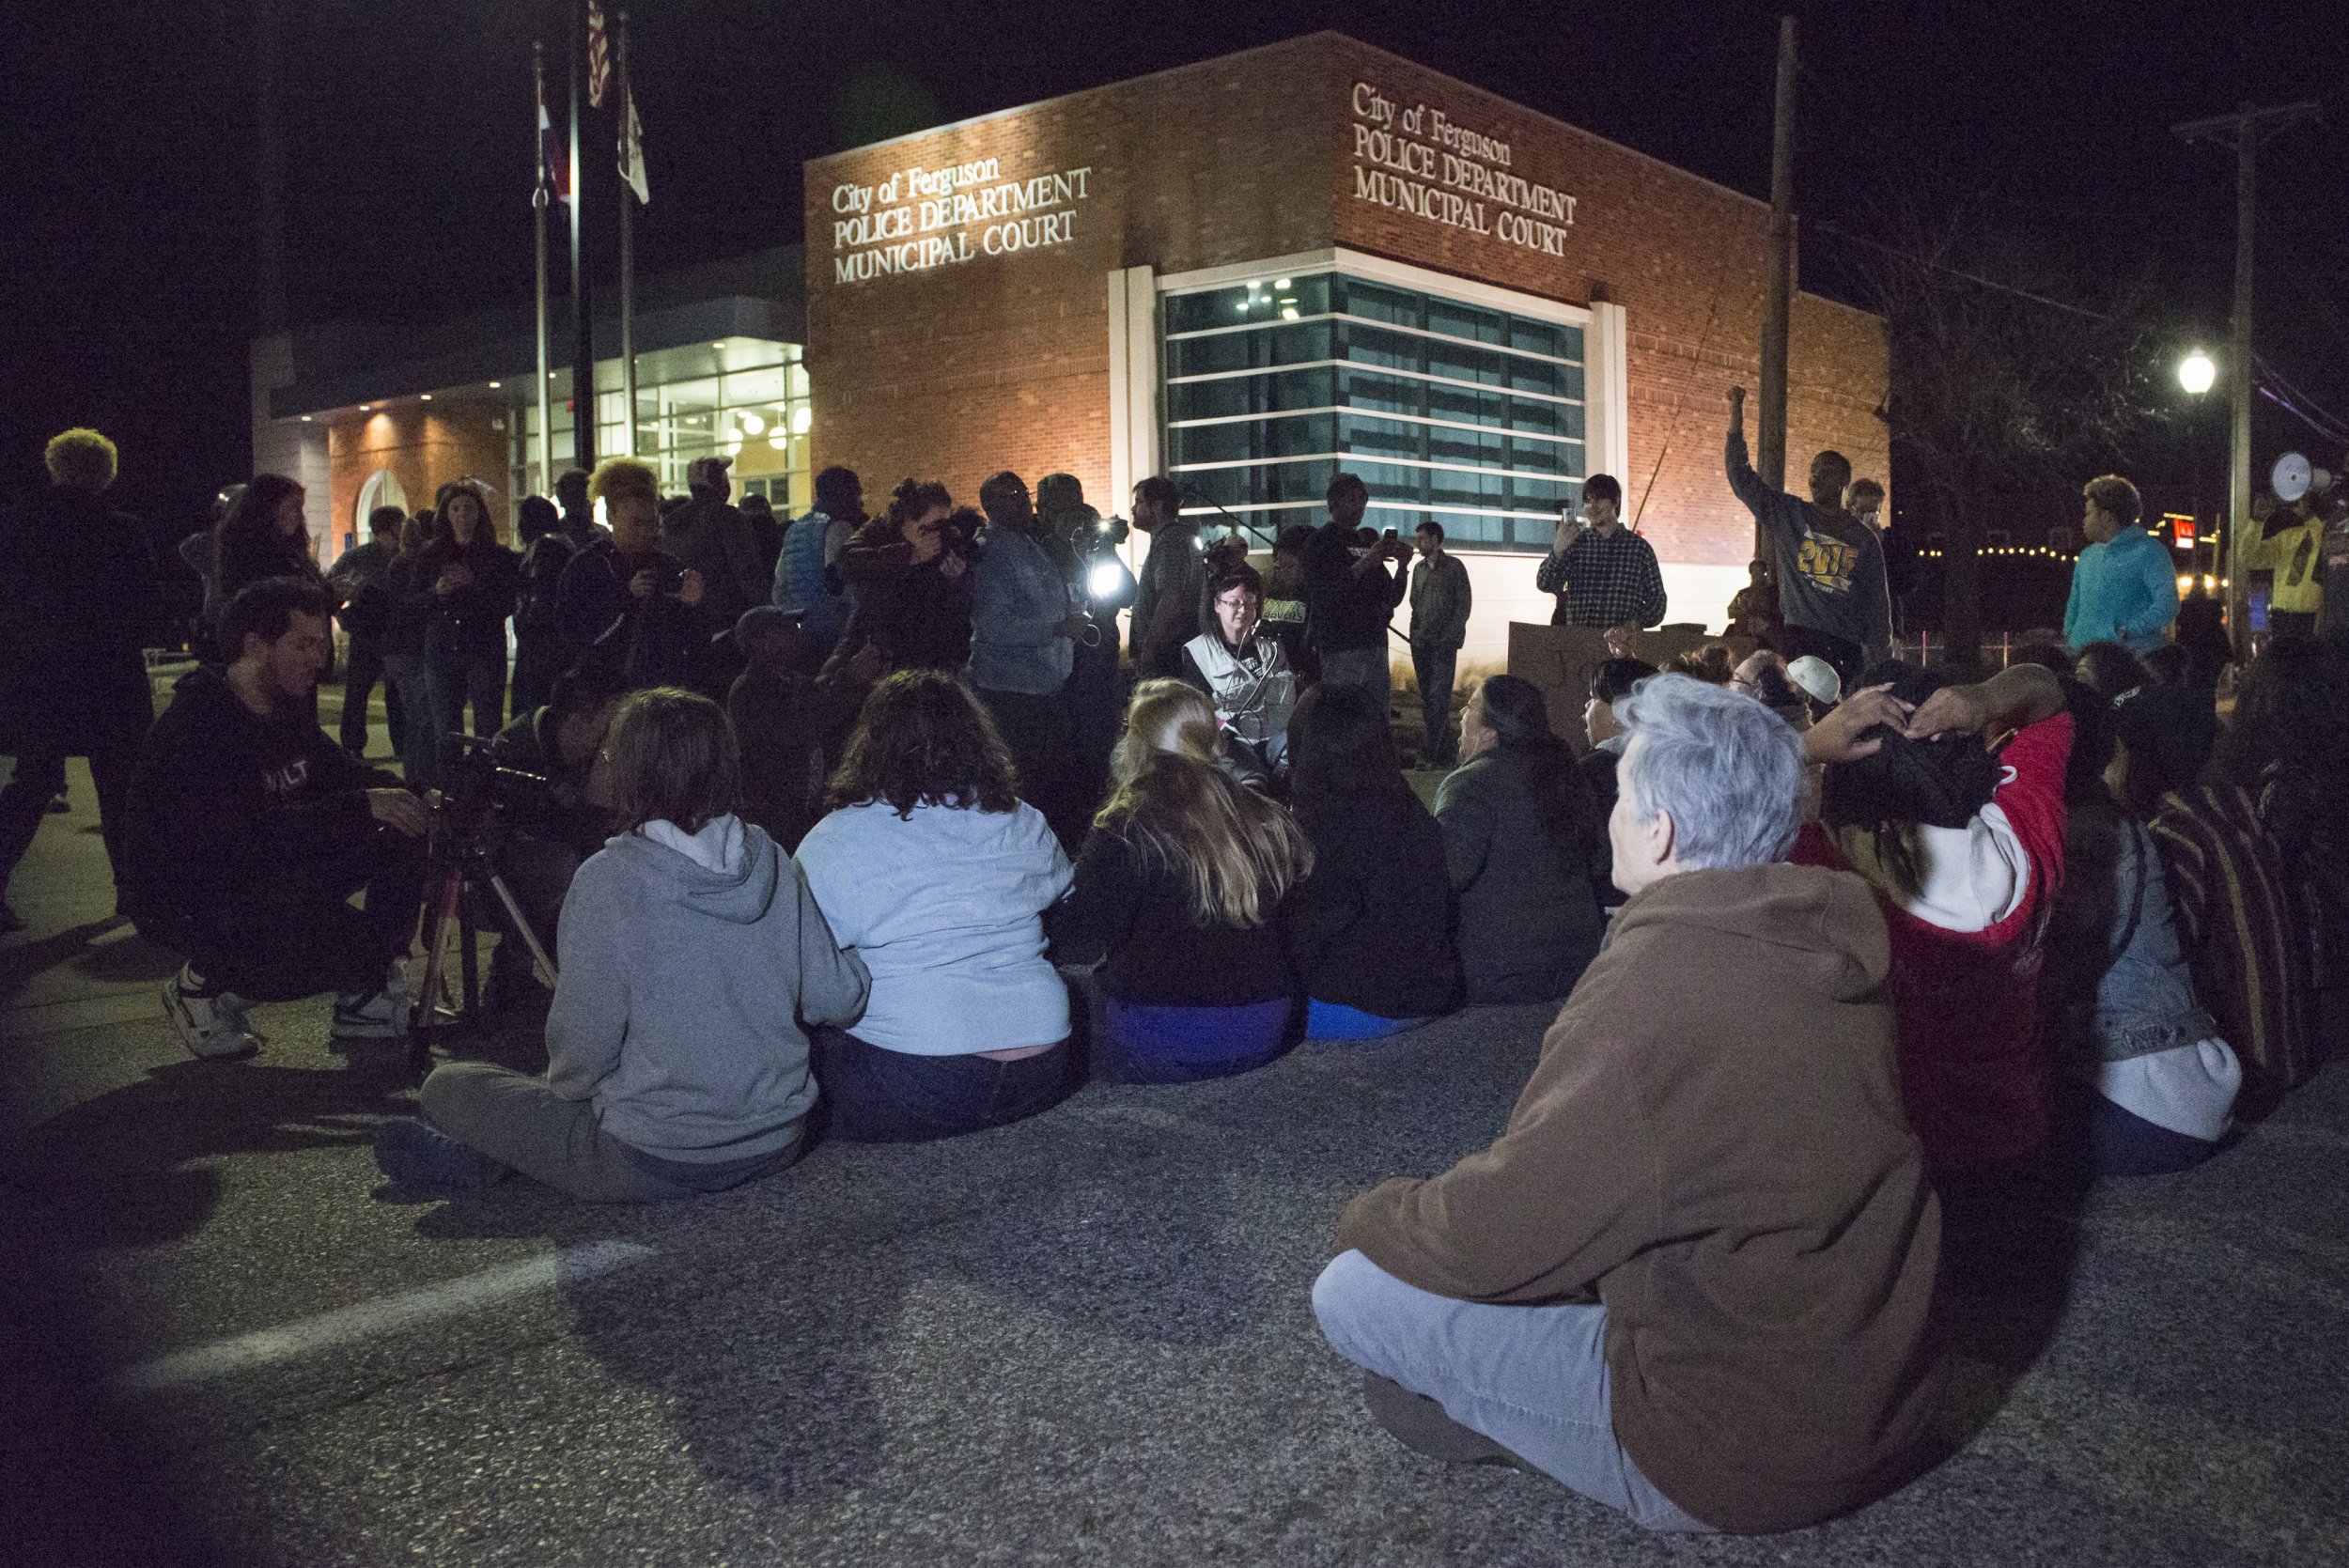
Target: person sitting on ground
790	720
2109	669
1964	845
931	867
1611	682
2232	897
689	945
1694	1278
550	828
1525	847
1761	675
1178	893
622	602
2153	1083
1371	929
1715	663
1816	679
1246	673
249	829
911	571
2289	745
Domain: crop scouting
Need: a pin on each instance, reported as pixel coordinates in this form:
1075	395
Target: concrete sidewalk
1083	1339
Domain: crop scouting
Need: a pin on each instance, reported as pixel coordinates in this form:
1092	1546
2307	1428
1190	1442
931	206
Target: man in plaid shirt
1604	575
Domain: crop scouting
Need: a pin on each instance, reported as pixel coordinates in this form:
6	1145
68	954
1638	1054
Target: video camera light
1106	579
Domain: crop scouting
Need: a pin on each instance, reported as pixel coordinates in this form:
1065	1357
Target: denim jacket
2144	1000
1018	600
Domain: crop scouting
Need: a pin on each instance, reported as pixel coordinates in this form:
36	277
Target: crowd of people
866	827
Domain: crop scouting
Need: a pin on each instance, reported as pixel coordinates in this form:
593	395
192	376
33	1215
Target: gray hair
1727	769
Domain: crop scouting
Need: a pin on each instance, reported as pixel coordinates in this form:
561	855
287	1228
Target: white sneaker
379	1015
211	1027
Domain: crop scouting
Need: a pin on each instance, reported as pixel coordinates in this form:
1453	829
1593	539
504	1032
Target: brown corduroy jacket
1712	1147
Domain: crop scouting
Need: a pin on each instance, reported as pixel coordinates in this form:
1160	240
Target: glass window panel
1239	395
1291	344
1458	320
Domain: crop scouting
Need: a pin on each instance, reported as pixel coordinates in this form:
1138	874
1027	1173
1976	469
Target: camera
476	792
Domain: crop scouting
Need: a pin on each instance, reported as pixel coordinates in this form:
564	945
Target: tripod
455	863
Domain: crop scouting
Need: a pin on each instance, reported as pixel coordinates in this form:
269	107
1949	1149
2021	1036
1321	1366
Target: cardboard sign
1561	661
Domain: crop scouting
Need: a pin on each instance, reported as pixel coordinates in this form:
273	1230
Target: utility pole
627	106
1770	432
582	308
2244	131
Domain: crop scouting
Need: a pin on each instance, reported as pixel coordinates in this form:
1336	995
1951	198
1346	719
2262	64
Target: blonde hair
618	478
1240	852
81	459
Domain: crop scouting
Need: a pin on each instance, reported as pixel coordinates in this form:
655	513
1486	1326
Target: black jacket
1529	911
79	599
229	809
1370	928
658	641
1139	919
474	615
1349	609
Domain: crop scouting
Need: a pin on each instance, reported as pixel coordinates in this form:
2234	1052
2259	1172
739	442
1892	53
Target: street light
2196	372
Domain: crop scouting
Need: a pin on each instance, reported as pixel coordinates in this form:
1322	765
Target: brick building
1251	272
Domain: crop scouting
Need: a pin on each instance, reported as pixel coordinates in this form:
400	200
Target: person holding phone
1602	573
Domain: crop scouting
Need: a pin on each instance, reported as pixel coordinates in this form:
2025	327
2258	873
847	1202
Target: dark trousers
39	778
1848	659
537	659
459	676
412	737
2292	623
359	677
1434	667
1042	736
306	938
872	1095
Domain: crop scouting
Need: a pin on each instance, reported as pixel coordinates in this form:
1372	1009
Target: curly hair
617	478
914	497
924	740
81	459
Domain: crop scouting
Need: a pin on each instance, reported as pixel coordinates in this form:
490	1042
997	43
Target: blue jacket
2125	583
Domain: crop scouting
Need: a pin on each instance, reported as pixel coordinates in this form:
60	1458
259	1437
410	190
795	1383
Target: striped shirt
2233	905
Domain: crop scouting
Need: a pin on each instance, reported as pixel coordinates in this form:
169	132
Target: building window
1465	414
746	397
380	489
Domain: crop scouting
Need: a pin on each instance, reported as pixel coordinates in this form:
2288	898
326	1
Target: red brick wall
1004	361
425	447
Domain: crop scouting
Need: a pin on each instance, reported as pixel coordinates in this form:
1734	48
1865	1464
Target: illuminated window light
801	417
494	385
1281	283
367	408
424	397
305	419
751	425
778	440
720	344
1288	313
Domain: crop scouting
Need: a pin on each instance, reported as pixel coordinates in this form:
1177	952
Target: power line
1970	277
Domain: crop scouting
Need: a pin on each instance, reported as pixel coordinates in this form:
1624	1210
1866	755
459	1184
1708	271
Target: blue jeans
1533	1379
457	673
1185	1044
873	1095
417	742
1332	1020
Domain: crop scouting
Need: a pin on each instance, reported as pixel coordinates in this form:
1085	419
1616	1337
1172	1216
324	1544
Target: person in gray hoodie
690	953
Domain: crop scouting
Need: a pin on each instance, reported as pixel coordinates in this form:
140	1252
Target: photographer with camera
1086	544
1025	628
690	949
540	778
911	569
626	605
249	829
1350	598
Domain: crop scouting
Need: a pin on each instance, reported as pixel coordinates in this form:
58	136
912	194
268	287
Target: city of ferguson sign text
918	219
1421	162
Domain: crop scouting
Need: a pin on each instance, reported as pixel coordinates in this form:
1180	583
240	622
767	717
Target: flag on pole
554	163
598	57
632	147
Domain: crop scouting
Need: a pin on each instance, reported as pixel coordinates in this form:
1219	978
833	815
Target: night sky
129	191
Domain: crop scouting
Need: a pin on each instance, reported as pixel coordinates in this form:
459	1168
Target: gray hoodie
687	964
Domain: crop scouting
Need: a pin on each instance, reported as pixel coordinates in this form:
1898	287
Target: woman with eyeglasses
1246	674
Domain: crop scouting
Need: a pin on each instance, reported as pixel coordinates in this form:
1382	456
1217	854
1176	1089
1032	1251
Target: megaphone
2295	477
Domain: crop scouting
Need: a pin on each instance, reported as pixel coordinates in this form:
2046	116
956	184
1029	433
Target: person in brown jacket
1692	1278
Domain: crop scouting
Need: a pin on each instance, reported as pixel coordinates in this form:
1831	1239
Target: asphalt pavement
1087	1338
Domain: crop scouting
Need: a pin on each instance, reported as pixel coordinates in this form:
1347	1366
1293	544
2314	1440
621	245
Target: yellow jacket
2296	555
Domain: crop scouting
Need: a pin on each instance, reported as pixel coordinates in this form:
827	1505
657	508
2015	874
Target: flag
555	164
632	147
598	57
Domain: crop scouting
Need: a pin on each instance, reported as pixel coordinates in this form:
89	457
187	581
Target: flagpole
539	197
582	312
627	258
